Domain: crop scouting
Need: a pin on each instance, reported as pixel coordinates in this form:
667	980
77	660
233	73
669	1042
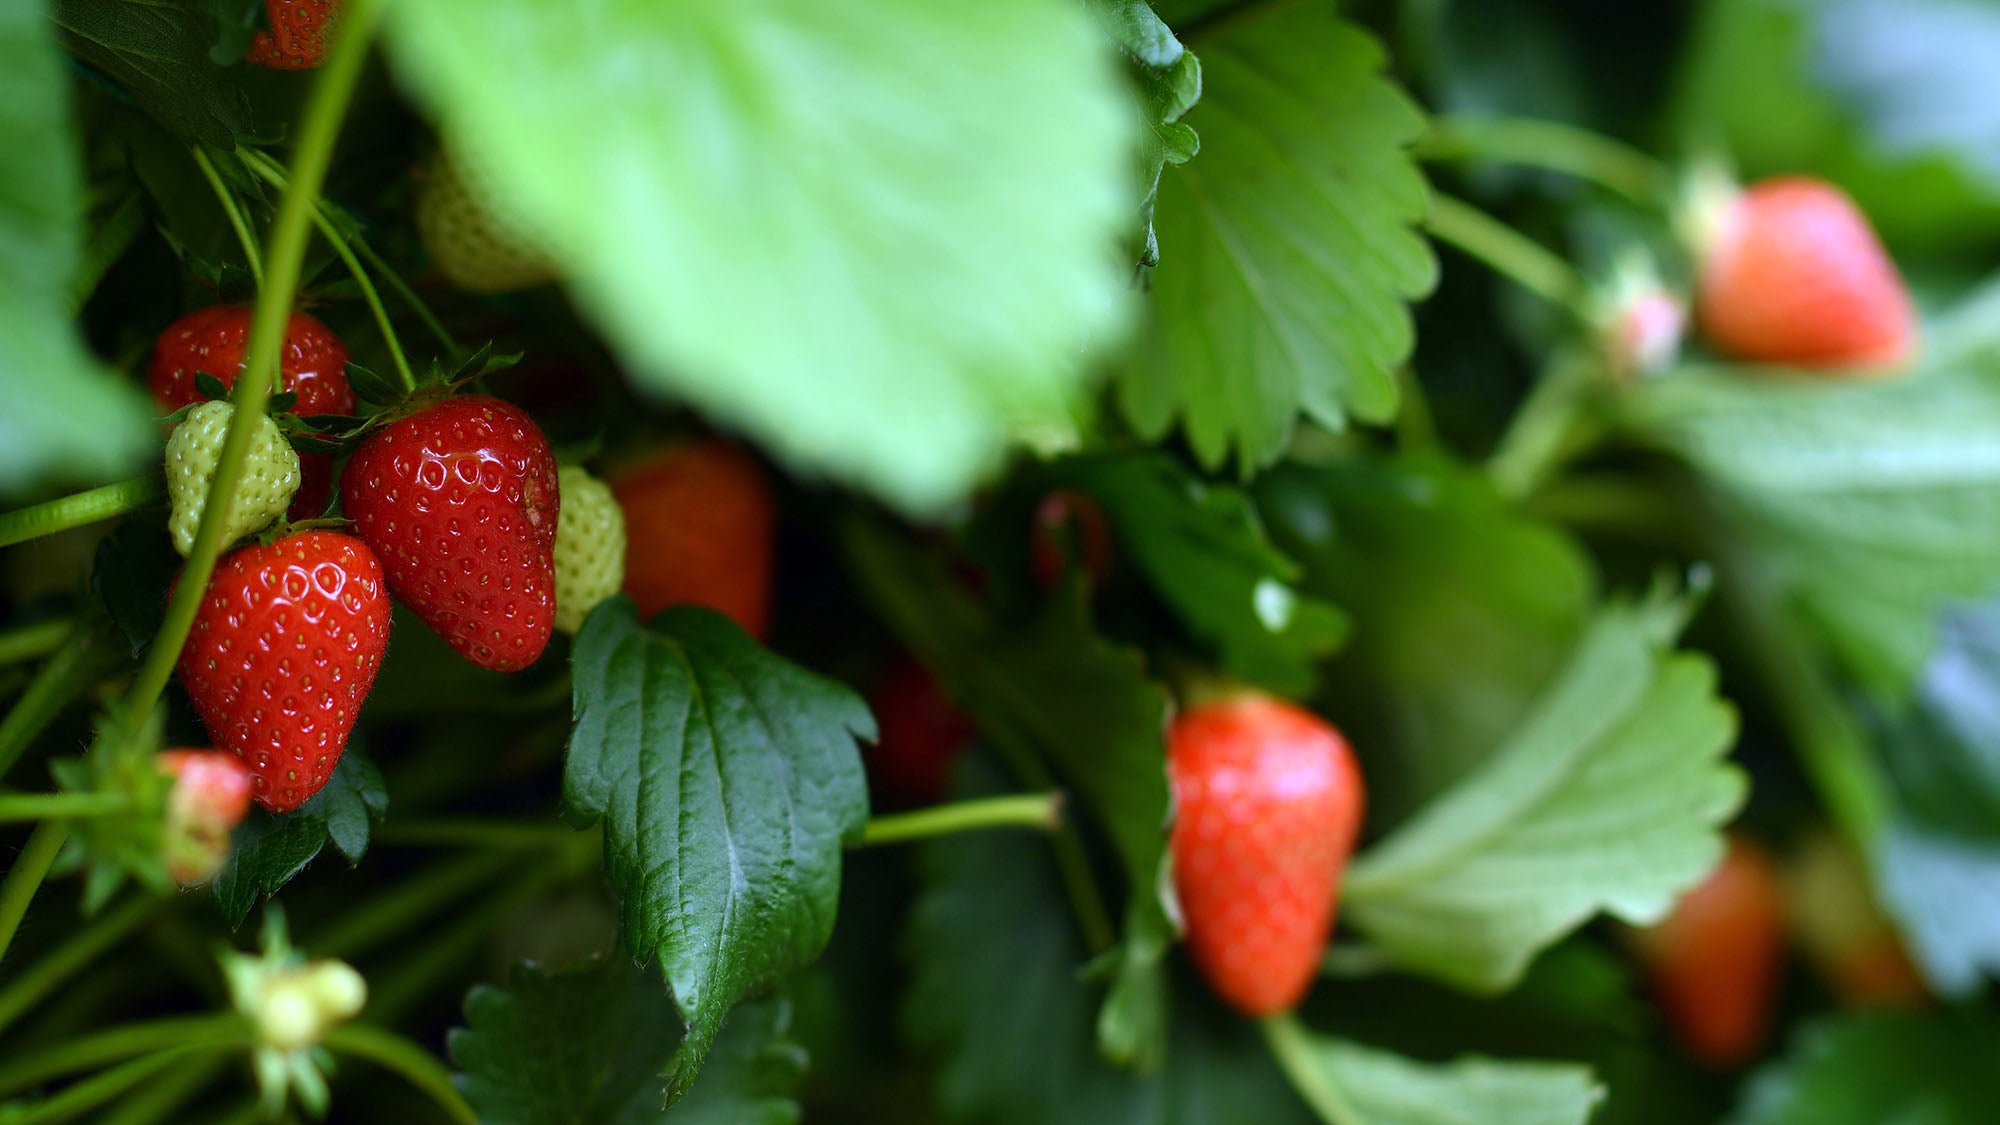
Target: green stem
396	1053
1287	1041
100	1088
69	956
324	109
1628	506
25	877
414	898
488	834
30	642
334	238
1509	252
1553	146
58	682
252	253
446	954
220	1030
83	508
16	807
1039	811
1551	427
163	1099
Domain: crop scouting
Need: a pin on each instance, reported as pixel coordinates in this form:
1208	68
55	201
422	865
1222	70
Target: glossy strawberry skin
1795	275
312	365
1714	962
920	734
460	500
300	32
285	645
1268	801
699	530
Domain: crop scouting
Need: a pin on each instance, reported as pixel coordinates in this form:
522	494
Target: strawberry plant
1046	561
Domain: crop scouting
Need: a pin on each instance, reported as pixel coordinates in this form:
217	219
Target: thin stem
29	642
1547	431
443	955
100	1088
333	237
160	1101
320	126
70	956
219	1030
1553	146
1287	1041
1039	811
79	510
396	1053
468	833
1509	252
25	877
252	252
15	807
1627	506
58	681
411	899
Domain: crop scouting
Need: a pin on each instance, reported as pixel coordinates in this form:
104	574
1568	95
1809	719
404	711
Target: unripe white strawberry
263	492
590	547
472	236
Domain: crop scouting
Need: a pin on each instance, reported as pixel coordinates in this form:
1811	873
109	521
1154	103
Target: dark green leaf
588	1045
159	53
281	402
370	387
728	781
272	848
1934	1069
131	575
210	388
1292	249
235	22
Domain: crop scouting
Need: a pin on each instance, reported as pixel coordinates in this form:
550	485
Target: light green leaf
1372	1087
728	781
880	236
1291	253
66	418
1932	1069
1608	796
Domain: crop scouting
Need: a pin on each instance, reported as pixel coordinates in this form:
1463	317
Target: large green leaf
1292	253
1886	1067
728	781
1608	796
1373	1087
159	54
881	236
588	1045
66	418
1463	610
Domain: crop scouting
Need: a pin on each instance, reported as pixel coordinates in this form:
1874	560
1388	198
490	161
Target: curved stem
1509	252
29	642
1039	811
83	508
419	1066
320	126
221	1030
413	898
25	877
160	1101
48	693
1287	1041
252	253
1550	429
1553	146
16	807
100	1088
77	950
470	833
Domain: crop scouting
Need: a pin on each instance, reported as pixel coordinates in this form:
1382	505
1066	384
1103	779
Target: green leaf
1292	249
130	576
1463	610
272	848
1608	796
1933	1069
1133	26
1871	505
159	54
66	418
728	781
1371	1087
587	1045
1169	77
756	220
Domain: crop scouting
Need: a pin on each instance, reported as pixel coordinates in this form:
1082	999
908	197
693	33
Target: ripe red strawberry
699	530
312	365
1714	962
920	734
301	31
1792	273
285	645
210	797
460	501
1069	525
1268	801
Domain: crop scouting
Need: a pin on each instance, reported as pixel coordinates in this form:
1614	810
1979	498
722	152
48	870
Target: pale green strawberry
590	547
472	236
270	474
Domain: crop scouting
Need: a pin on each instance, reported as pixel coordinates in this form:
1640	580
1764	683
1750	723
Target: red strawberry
460	501
920	735
1069	527
285	645
301	31
1268	802
1714	962
210	797
312	365
699	530
1792	273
